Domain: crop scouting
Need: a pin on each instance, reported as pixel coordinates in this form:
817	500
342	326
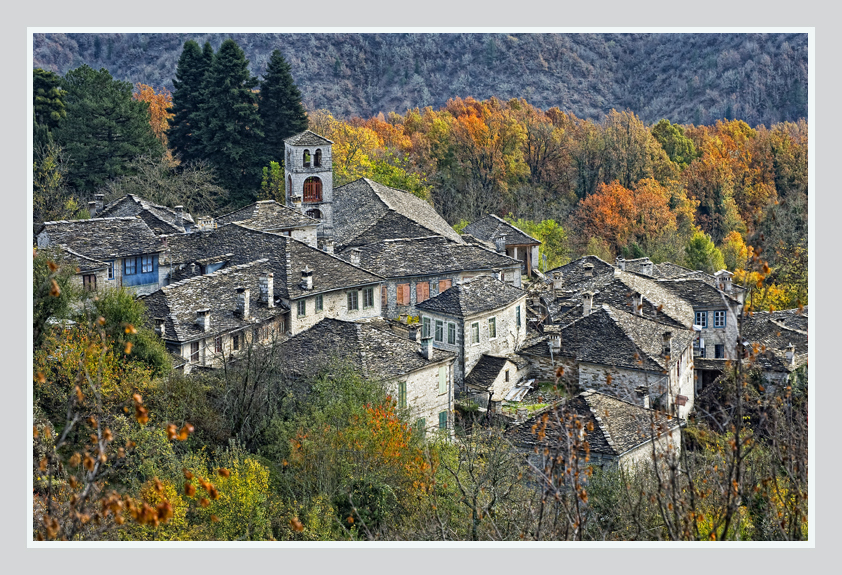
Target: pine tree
105	128
230	127
187	98
280	107
47	98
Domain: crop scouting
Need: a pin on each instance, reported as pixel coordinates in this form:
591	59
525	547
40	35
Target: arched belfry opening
312	190
317	159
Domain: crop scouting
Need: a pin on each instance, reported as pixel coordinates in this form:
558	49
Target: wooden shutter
422	291
403	294
384	297
444	284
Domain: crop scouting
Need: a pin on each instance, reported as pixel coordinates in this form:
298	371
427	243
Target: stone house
90	273
420	378
517	243
493	377
270	216
160	219
778	342
416	269
630	356
479	316
619	434
126	245
208	318
312	284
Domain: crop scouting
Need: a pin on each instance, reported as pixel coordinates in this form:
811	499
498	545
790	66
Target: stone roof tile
477	295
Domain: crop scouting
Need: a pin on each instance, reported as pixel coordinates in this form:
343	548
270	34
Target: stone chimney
555	342
646	267
296	203
637	303
427	347
179	216
587	303
92	209
588	267
790	355
267	289
327	246
620	263
500	243
558	283
160	326
642	393
243	296
667	349
307	278
100	202
203	319
412	332
354	256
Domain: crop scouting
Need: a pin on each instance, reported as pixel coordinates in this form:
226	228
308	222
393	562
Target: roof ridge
214	274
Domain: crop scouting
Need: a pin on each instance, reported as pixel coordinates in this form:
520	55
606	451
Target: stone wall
422	395
335	306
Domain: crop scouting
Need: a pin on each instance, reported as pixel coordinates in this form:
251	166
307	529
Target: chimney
412	333
203	319
427	347
296	203
267	289
327	246
555	341
179	216
587	303
620	263
501	244
667	351
100	202
243	295
646	267
558	283
522	414
355	256
790	355
307	278
92	208
637	303
160	326
588	269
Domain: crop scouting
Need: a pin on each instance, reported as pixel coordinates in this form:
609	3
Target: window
517	315
306	158
302	308
403	294
129	267
444	284
353	300
439	336
420	425
317	159
492	327
442	420
368	298
443	379
89	282
701	318
422	291
384	297
146	264
315	214
320	303
255	334
506	374
475	332
402	394
111	270
312	190
217	344
235	341
425	327
194	352
719	318
451	333
719	351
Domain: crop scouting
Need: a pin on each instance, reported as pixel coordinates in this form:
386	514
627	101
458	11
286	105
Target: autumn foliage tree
160	109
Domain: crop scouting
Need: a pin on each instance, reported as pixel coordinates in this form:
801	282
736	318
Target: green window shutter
402	394
442	420
421	425
443	379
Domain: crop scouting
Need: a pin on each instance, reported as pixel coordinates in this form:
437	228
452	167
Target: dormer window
306	158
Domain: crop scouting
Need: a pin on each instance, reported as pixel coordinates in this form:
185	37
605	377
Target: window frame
492	327
443	420
475	333
368	298
402	394
301	310
716	351
194	352
425	327
438	333
720	313
89	282
111	270
451	333
402	294
353	302
422	291
517	316
320	303
217	344
147	264
235	342
126	266
703	315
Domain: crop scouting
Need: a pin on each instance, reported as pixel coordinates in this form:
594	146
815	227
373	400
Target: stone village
375	276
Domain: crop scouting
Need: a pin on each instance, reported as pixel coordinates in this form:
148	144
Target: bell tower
308	177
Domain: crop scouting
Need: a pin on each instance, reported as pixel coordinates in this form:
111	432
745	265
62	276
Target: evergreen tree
231	129
47	98
702	254
187	98
280	107
104	129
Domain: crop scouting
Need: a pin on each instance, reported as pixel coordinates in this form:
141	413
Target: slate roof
307	138
103	238
83	264
486	370
772	333
670	270
618	426
428	256
179	302
374	352
237	244
160	219
267	216
366	212
574	272
698	292
610	336
477	295
492	227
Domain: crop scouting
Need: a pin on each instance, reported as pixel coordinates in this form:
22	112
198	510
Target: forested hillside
686	78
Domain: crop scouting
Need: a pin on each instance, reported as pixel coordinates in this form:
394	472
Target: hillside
687	78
